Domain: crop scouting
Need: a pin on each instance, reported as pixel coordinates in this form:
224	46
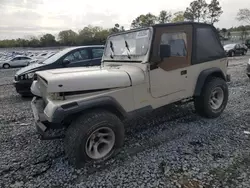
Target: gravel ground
172	147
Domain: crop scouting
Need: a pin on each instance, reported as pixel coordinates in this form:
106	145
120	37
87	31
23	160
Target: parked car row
82	56
235	49
23	58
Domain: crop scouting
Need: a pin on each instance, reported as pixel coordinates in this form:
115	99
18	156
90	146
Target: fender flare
215	71
72	108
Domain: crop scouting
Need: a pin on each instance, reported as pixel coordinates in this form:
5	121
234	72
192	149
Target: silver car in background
18	61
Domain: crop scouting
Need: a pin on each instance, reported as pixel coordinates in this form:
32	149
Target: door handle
183	72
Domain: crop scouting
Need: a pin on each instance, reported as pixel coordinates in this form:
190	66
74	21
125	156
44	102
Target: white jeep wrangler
142	69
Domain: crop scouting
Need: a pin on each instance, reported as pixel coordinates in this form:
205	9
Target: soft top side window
177	42
208	46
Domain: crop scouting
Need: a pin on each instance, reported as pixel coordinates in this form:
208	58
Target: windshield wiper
112	49
128	52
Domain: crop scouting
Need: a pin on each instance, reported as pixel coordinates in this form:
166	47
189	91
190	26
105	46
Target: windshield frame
128	57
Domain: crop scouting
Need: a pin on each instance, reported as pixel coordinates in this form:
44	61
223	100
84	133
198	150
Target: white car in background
42	59
17	61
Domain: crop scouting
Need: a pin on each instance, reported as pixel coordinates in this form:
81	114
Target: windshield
57	56
229	46
128	44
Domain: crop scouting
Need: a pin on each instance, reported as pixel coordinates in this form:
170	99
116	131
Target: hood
92	78
30	68
228	47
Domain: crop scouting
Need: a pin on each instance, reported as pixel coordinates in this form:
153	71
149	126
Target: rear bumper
23	86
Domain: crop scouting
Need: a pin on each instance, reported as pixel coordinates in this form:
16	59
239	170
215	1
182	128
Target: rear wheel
244	52
93	137
6	66
213	99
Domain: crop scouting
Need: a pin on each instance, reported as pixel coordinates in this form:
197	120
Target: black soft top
182	23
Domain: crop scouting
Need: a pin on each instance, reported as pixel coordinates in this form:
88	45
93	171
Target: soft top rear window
208	46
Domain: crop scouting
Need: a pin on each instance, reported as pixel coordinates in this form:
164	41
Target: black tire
6	66
82	127
202	102
244	52
28	95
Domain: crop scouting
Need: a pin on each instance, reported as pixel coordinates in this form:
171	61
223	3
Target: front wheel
93	137
6	66
213	99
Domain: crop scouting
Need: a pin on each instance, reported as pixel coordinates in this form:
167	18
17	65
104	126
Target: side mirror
165	51
66	62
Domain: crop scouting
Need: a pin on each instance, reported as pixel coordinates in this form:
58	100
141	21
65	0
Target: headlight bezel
56	96
27	76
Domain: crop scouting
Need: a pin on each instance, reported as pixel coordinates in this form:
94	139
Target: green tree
243	34
229	35
244	15
117	28
164	17
178	17
214	11
67	37
48	40
197	11
92	35
224	32
144	21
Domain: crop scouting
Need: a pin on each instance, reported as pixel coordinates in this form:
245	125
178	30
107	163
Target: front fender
72	108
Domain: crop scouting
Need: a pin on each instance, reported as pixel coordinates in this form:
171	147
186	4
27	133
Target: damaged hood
80	79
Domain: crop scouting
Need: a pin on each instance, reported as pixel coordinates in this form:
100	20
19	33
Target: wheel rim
216	98
6	66
100	143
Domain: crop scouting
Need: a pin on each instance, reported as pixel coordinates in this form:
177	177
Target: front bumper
228	77
37	107
23	86
248	69
41	123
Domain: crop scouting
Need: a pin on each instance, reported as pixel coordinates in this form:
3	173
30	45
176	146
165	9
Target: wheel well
215	74
6	64
205	76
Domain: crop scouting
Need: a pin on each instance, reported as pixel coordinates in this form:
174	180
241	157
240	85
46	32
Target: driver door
169	78
15	62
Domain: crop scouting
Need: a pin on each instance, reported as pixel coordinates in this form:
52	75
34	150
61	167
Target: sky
25	18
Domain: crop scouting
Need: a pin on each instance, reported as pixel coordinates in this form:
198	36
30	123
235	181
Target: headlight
30	75
27	76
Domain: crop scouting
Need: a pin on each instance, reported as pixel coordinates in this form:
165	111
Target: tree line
198	11
89	35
